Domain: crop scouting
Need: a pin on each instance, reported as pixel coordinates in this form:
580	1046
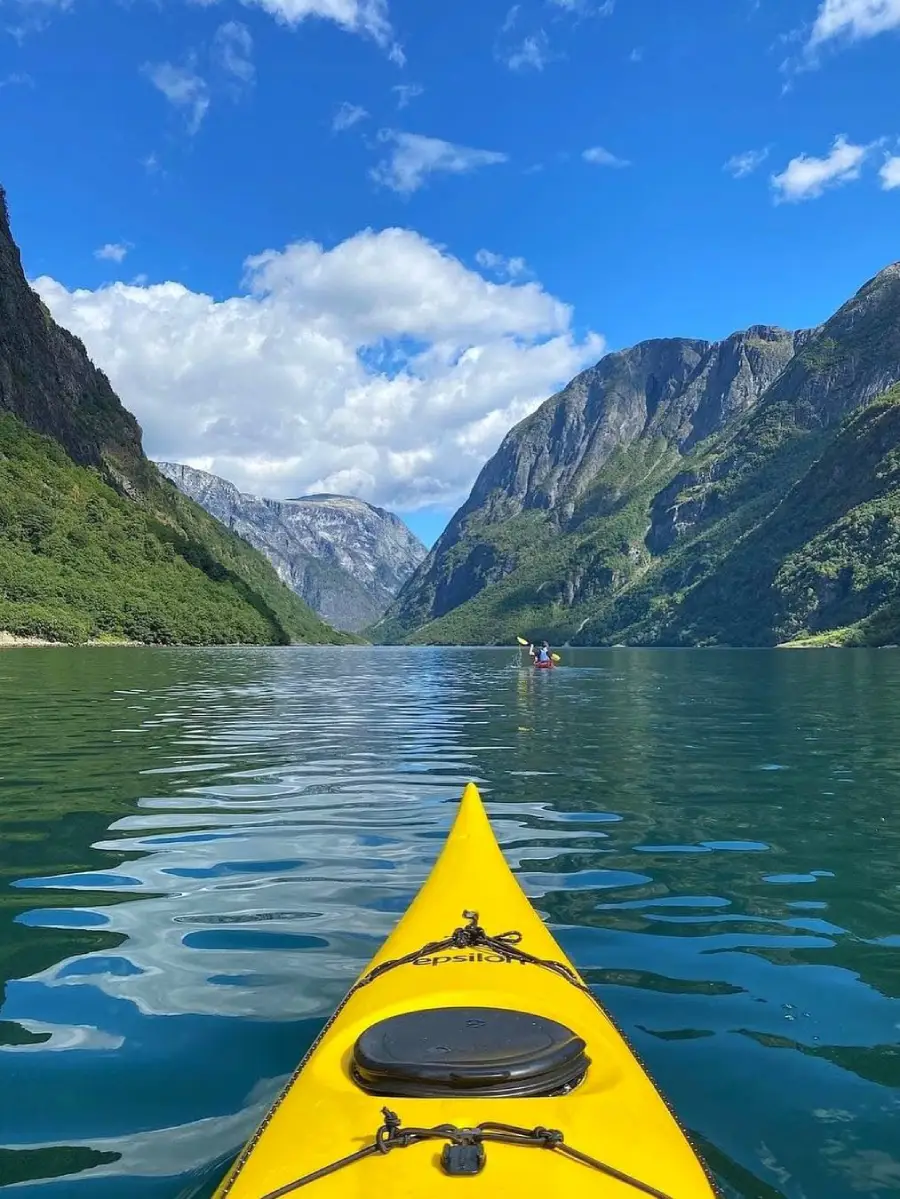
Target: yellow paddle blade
556	657
522	641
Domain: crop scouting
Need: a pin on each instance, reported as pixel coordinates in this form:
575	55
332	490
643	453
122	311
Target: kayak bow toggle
464	1152
473	936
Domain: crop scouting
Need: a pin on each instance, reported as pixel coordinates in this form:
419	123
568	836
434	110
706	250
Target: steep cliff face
679	390
614	511
569	458
93	543
50	384
346	558
828	555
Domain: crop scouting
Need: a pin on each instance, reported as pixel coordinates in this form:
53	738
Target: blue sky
539	182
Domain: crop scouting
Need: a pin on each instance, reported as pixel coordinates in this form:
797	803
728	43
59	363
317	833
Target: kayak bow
469	1042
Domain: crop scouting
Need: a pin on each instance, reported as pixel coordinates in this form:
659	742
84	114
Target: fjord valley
683	492
430	437
680	492
95	544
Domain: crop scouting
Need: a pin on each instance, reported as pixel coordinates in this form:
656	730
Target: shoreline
13	641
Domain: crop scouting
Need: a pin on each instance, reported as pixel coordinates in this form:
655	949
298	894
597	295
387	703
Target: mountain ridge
611	503
48	382
94	544
345	557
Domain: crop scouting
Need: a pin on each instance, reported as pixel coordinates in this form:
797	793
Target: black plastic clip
461	1160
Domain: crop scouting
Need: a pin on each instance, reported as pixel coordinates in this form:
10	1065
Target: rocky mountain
346	558
48	383
687	492
94	543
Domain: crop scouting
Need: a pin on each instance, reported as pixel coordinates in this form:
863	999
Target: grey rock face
48	382
851	359
678	390
731	402
346	558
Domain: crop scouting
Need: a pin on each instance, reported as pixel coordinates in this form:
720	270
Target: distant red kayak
544	665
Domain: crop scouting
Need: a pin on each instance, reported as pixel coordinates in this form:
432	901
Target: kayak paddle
522	641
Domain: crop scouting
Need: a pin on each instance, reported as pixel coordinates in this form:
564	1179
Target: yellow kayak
471	1060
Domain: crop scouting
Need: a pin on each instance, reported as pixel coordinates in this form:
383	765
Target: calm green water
199	850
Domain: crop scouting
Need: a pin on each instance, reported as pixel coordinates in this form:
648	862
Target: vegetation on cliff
744	493
94	543
80	561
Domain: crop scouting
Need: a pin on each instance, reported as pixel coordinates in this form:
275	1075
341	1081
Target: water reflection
200	850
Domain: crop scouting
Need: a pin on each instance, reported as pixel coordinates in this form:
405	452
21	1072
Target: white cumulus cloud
367	17
347	115
230	54
413	157
405	92
508	268
532	53
520	52
17	79
183	88
382	367
112	252
807	177
600	157
853	20
233	49
890	173
742	165
594	8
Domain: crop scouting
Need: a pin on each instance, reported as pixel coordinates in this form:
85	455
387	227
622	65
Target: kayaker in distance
541	656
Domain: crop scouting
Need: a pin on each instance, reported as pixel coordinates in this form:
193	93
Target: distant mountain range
683	492
346	558
94	544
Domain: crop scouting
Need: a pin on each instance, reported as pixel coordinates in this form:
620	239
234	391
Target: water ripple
201	849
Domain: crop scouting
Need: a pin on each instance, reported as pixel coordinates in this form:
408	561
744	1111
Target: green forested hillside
681	493
79	561
813	547
94	542
804	542
559	578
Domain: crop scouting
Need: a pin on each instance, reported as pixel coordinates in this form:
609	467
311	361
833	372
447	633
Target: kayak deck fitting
469	1050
